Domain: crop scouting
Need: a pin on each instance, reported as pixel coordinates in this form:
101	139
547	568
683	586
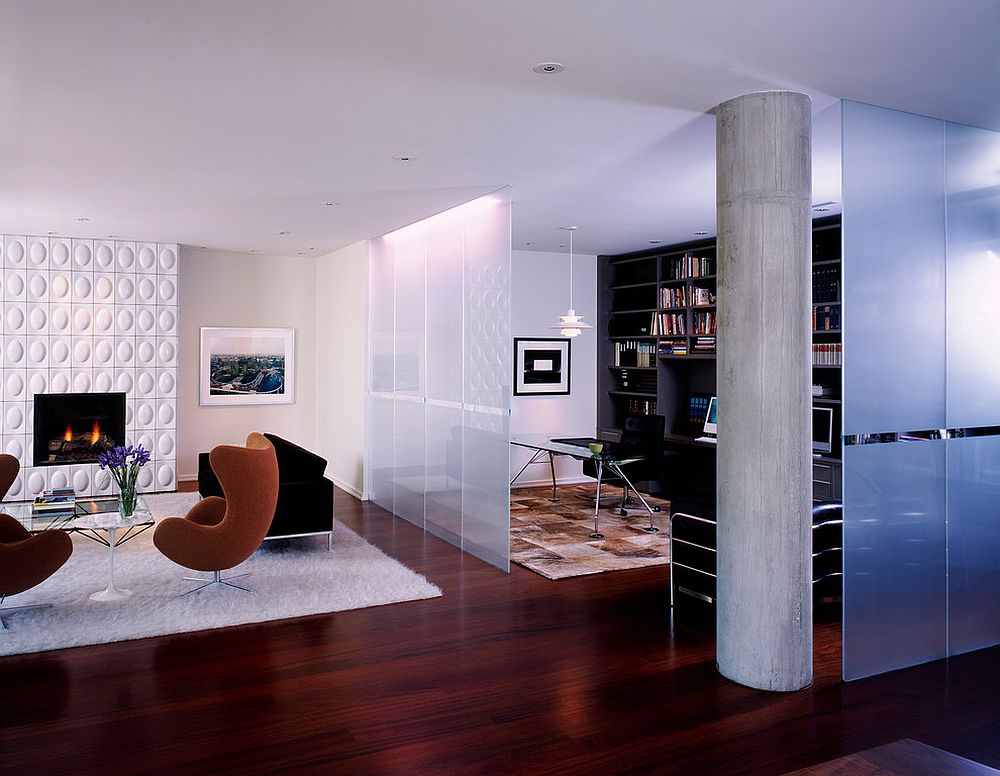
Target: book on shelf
635	353
703	345
827	354
826	284
826	318
702	297
690	267
673	297
676	347
697	409
640	406
669	324
704	322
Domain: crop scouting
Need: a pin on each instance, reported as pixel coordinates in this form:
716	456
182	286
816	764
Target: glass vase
126	500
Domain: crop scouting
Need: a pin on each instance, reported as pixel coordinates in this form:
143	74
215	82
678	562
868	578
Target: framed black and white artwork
541	367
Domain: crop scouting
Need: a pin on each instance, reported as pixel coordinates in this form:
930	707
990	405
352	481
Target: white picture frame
243	366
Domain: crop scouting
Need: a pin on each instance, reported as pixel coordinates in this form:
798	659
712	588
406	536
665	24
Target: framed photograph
541	367
247	366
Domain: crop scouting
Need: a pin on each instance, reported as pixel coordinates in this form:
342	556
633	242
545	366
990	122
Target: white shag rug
289	578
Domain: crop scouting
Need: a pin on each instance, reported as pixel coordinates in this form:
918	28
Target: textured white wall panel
79	316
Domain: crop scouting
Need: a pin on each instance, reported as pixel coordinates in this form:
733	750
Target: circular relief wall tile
14	419
168	290
146	477
168	260
58	479
15	386
104	288
165	445
59	352
146	352
15	319
145	382
146	321
105	256
147	290
102	480
104	351
60	254
82	287
82	352
125	352
146	440
147	258
59	382
167	352
165	476
167	321
104	320
81	382
165	415
126	258
38	253
16	488
83	319
15	252
15	351
59	287
36	483
166	383
145	414
38	318
126	289
15	285
37	352
82	255
38	285
15	448
81	480
59	319
103	382
38	382
124	382
126	320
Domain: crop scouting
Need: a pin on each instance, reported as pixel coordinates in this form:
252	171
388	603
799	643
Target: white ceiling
223	122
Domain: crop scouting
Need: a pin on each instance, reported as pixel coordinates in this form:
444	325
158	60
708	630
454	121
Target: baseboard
361	496
547	482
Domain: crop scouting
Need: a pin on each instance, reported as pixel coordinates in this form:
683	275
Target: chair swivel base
8	609
217	579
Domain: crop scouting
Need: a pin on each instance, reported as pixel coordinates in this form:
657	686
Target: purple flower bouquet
124	463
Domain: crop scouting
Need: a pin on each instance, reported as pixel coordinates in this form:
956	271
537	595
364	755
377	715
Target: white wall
539	295
219	288
341	325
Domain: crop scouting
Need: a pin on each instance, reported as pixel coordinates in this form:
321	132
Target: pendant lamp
571	324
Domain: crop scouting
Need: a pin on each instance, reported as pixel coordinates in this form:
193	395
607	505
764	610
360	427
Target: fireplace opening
77	427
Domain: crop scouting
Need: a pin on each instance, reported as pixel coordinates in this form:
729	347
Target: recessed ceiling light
701	232
203	247
654	242
312	249
548	68
330	204
404	158
253	250
284	232
562	245
527	243
52	232
302	253
825	205
821	209
113	236
83	218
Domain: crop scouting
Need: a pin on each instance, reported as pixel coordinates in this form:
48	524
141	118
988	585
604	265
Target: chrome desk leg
552	468
629	486
531	460
597	502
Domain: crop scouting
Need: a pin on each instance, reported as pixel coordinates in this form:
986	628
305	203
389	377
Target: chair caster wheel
623	513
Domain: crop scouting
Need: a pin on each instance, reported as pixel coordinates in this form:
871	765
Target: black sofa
305	496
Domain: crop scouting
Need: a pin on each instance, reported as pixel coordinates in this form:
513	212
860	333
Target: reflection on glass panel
408	461
380	450
381	322
486	489
445	252
895	608
973	543
973	276
894	270
443	472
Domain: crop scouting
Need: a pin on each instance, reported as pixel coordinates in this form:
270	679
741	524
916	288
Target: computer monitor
711	422
822	429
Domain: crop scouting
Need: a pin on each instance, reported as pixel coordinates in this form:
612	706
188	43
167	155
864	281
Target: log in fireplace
74	428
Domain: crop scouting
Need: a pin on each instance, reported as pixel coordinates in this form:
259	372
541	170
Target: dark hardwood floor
503	674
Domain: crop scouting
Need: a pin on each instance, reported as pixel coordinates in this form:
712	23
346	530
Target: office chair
641	435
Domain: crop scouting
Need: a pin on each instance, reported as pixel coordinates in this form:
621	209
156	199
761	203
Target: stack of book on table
55	502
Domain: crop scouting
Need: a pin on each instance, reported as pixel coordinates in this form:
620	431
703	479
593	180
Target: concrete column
764	491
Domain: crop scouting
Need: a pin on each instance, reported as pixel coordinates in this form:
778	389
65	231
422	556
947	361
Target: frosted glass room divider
440	371
921	395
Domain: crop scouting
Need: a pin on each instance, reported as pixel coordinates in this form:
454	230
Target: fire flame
68	436
95	433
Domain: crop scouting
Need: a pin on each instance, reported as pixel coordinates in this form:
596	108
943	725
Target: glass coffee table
92	518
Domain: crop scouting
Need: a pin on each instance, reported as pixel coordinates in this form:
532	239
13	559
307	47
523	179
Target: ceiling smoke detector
404	158
548	68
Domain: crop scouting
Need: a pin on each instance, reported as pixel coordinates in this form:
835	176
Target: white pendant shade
571	324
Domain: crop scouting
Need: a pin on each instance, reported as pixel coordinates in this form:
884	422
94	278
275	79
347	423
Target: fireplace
73	428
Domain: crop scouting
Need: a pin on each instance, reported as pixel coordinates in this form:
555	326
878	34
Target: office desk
543	445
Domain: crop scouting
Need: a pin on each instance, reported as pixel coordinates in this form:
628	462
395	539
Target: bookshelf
657	309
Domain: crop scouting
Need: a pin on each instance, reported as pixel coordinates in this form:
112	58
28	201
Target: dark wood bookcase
656	352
